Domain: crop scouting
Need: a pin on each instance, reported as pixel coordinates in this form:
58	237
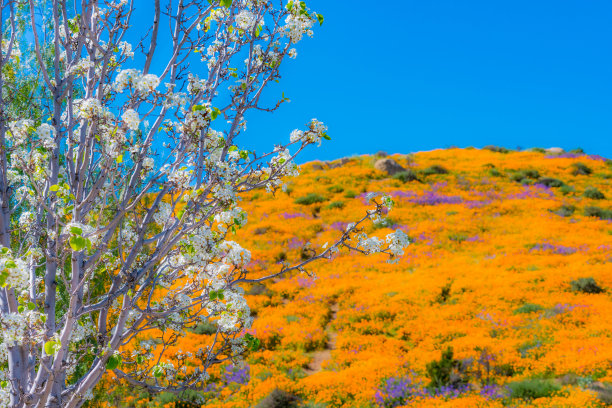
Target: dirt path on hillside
319	357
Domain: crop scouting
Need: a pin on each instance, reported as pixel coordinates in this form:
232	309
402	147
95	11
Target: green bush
565	210
586	285
335	189
566	189
446	372
310	198
205	327
406	176
335	204
581	169
350	194
550	182
524	176
528	308
593	194
435	169
259	289
279	399
598	212
496	149
495	173
533	388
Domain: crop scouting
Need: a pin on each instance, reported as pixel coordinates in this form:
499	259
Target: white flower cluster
144	84
224	193
163	214
235	255
46	133
235	216
131	119
203	246
246	20
197	120
15	271
126	49
397	241
369	245
81	67
90	108
180	178
19	131
297	24
316	131
195	85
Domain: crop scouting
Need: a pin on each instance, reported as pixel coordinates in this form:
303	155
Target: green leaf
226	3
232	149
320	18
10	264
244	154
197	108
139	359
78	243
158	372
290	6
31	306
258	30
215	113
113	362
325	136
3	276
51	347
119	159
213	295
3	384
20	309
220	295
76	230
54	187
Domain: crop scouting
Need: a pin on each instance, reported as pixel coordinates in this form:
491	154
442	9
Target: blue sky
406	76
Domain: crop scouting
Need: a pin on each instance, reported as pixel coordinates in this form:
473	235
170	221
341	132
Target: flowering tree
119	186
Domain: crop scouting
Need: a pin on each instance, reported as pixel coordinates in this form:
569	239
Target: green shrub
335	189
538	149
533	388
565	210
494	173
279	399
335	204
586	285
259	289
445	293
350	194
581	169
593	194
435	169
550	182
496	149
446	372
406	176
310	198
566	189
281	257
524	176
528	308
598	212
205	327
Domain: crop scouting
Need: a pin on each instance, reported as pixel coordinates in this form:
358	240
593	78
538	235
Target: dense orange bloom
489	271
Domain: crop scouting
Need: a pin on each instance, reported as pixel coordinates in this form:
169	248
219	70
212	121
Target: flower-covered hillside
503	297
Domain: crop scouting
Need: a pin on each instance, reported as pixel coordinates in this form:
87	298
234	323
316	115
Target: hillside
509	265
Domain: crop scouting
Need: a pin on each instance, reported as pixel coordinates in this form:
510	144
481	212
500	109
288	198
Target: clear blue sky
406	76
